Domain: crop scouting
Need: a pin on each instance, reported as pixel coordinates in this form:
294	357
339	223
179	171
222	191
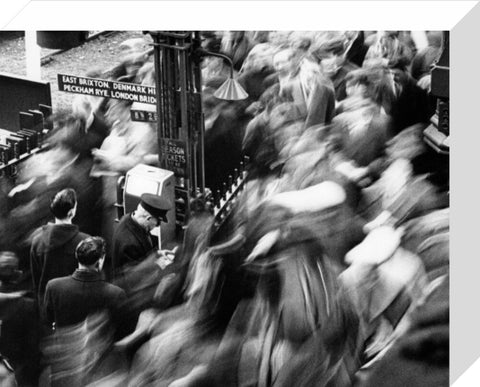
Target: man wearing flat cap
132	242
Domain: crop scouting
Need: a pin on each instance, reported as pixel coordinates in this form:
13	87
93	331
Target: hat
155	205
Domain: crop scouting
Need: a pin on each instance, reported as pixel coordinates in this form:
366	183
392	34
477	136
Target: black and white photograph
225	208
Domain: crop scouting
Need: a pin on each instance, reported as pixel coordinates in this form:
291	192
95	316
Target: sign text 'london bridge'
107	89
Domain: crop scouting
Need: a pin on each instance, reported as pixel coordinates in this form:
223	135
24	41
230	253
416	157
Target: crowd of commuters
331	270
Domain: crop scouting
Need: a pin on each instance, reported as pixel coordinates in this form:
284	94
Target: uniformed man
132	241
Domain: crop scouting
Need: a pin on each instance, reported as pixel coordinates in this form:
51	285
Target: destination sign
107	89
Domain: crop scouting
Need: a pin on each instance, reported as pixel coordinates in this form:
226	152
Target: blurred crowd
331	270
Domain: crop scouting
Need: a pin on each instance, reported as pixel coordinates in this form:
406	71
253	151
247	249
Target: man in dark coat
85	312
131	241
52	254
138	267
70	300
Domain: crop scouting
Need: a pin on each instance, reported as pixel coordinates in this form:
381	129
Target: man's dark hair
90	250
63	202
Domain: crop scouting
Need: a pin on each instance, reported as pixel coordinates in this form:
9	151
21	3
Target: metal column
180	124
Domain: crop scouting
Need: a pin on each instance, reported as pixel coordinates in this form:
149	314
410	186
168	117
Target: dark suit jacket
70	300
131	243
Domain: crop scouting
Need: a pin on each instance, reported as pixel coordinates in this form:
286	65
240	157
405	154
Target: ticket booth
147	179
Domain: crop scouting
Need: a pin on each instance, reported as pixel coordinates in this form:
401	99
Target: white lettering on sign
125	96
94	83
148	99
80	89
102	93
107	89
177	160
175	150
130	87
69	79
174	156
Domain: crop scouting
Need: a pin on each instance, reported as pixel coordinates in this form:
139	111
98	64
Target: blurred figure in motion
355	49
333	63
19	332
52	254
74	307
386	283
389	50
129	142
132	56
424	59
307	326
237	44
81	354
298	330
421	356
311	92
411	104
360	130
257	73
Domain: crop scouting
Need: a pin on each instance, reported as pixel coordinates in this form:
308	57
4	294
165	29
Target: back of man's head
63	202
90	250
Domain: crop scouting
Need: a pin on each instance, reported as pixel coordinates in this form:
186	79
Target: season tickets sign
107	89
174	154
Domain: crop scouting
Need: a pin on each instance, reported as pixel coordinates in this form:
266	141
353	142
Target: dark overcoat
131	244
52	254
70	300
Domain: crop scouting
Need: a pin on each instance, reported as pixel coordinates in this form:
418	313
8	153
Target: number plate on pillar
143	116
